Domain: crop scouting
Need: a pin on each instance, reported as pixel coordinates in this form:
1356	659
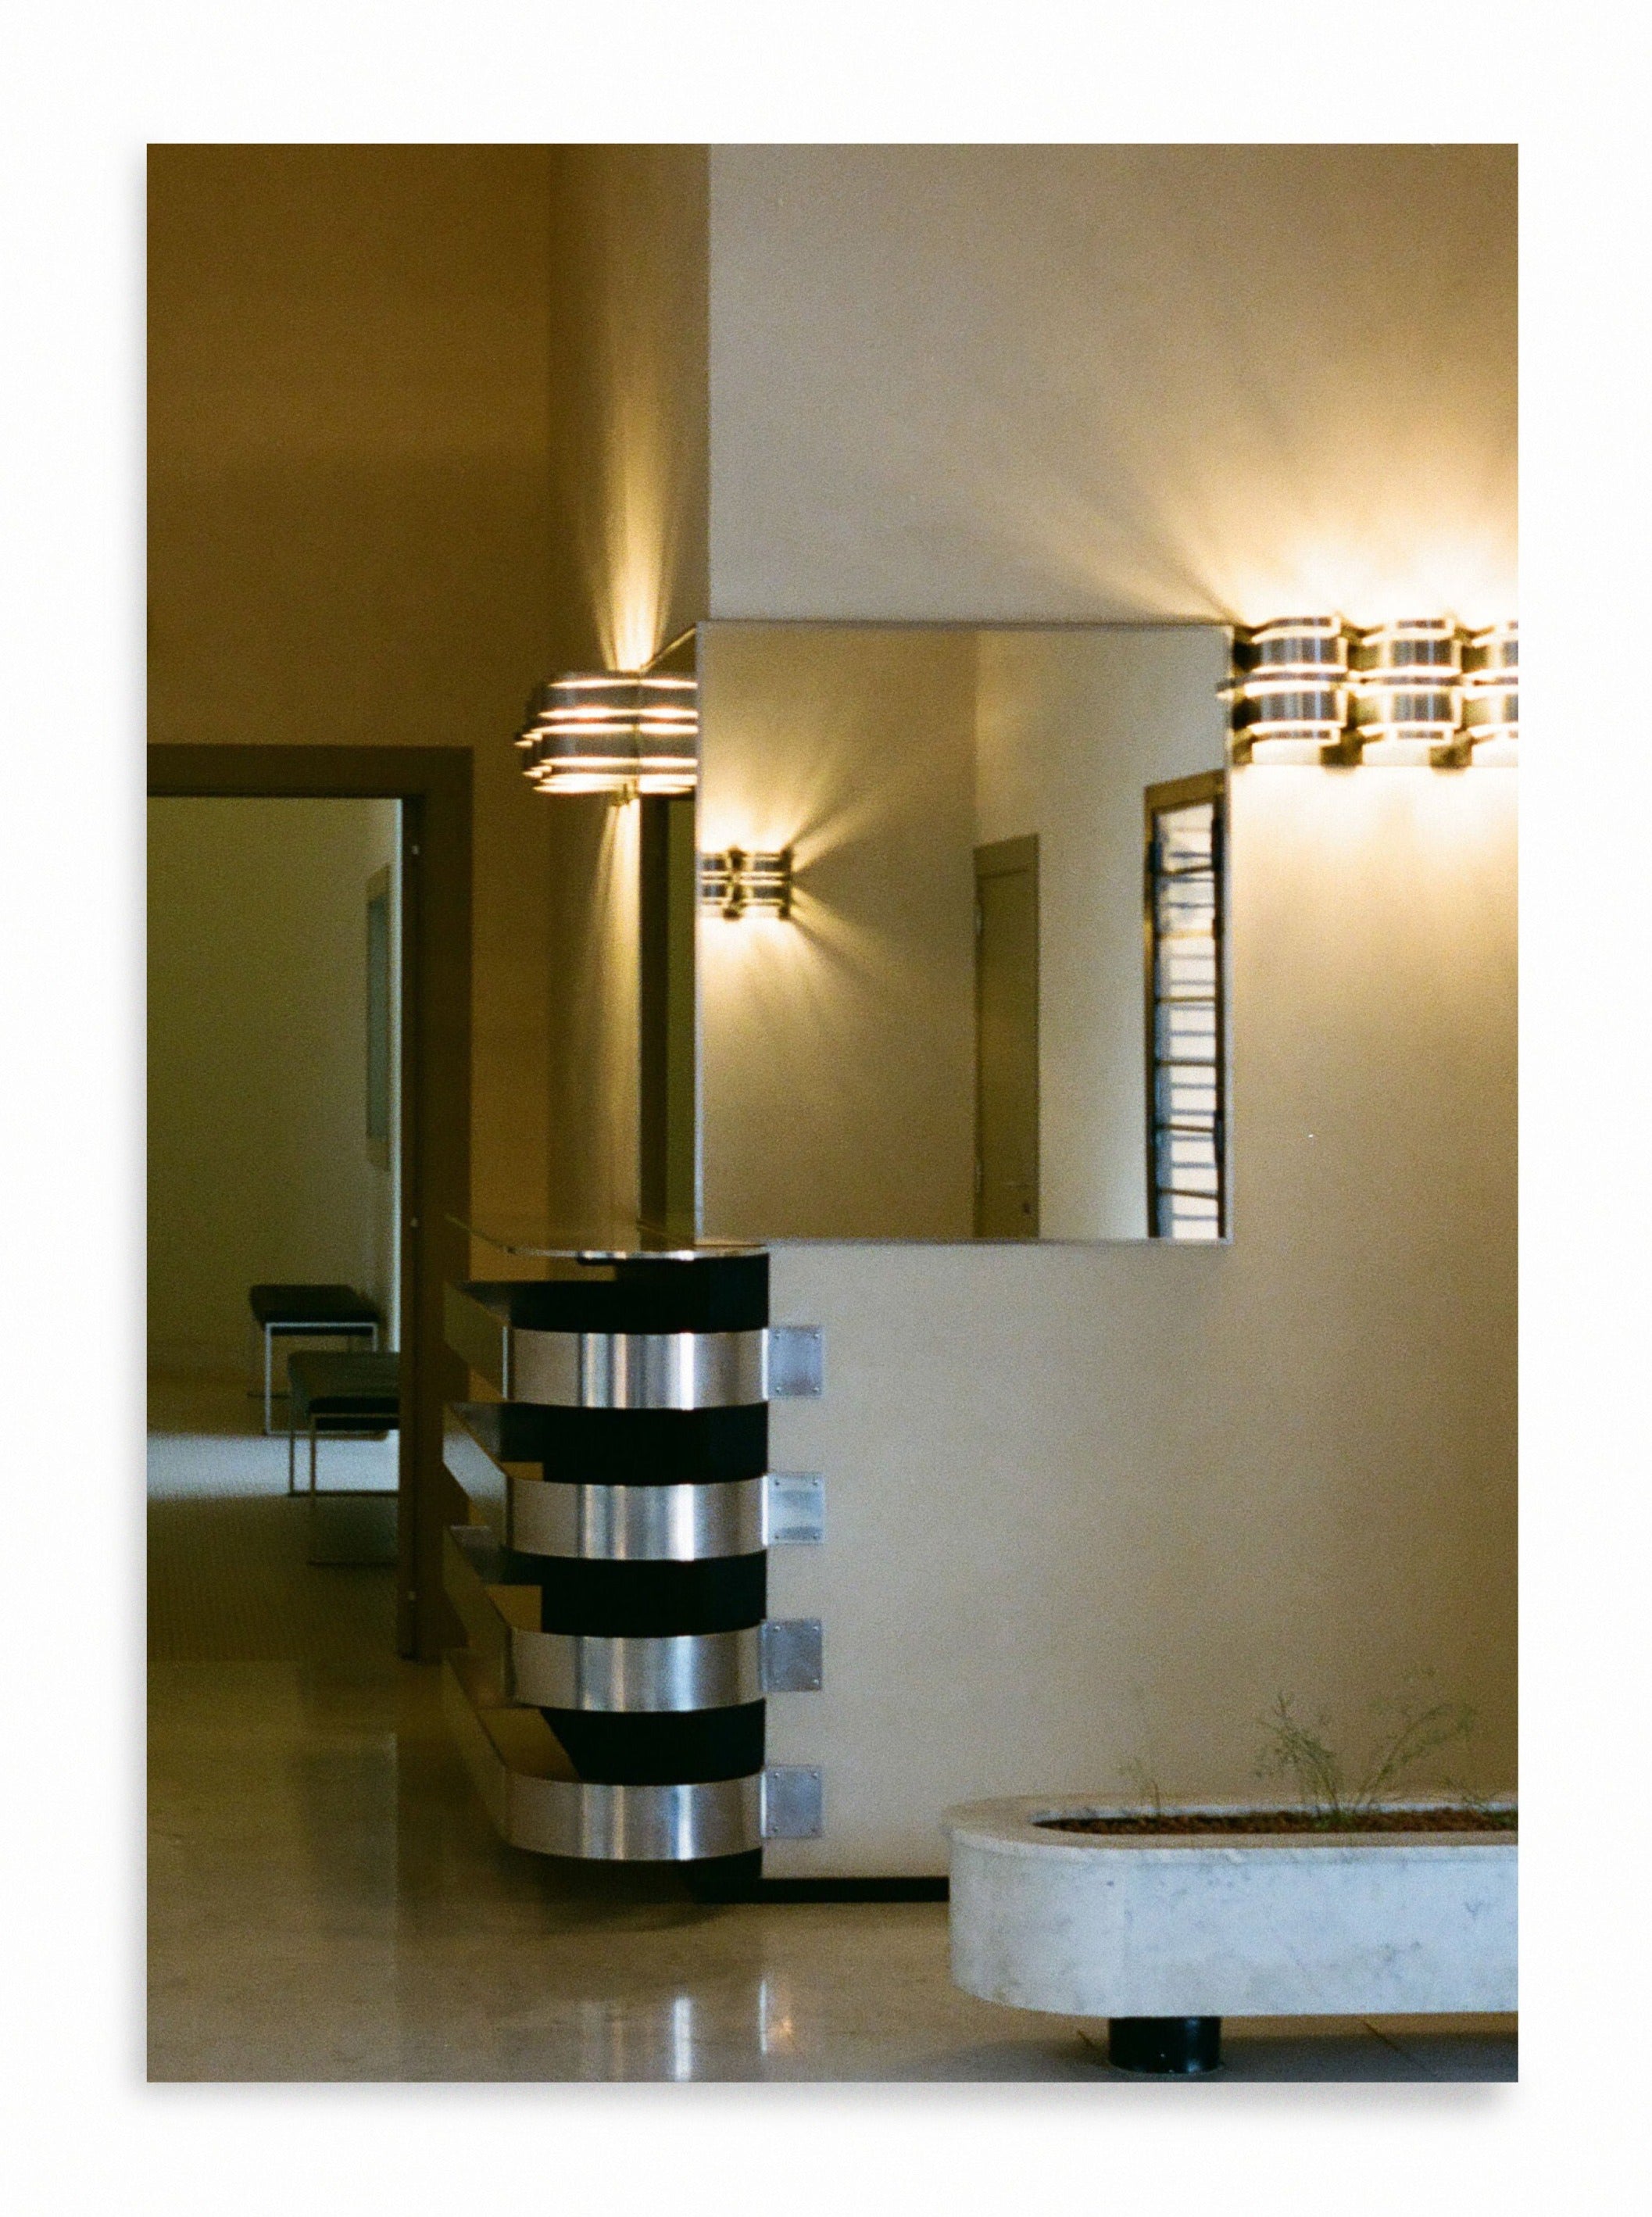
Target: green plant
1495	1815
1338	1795
1137	1774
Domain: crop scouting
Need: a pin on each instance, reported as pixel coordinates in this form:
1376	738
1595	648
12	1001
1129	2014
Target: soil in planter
1448	1819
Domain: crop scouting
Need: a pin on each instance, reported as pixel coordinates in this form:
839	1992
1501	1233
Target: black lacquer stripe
645	1600
648	1294
624	1447
661	1751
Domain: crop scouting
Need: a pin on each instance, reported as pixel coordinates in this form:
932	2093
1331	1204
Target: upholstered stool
341	1397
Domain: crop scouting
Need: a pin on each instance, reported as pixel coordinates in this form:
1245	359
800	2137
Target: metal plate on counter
794	1508
793	1802
794	1655
797	1361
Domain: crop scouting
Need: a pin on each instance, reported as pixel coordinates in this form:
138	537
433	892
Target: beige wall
350	510
1112	381
837	1049
1072	727
258	1167
1127	1493
426	424
627	291
1086	1505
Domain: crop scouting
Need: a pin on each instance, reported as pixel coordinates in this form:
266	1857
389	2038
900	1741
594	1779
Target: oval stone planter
1187	1929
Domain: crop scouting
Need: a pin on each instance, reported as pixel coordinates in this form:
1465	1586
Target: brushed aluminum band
637	1824
664	1674
561	1815
689	1523
638	1370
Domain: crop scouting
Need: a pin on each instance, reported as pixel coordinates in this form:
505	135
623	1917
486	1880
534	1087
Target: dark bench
309	1312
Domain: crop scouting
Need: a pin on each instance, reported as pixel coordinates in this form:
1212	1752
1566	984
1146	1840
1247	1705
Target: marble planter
1133	1926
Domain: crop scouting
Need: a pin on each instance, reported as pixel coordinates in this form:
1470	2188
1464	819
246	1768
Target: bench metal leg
313	1496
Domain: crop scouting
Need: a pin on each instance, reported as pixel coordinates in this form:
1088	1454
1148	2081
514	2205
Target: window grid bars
1185	1150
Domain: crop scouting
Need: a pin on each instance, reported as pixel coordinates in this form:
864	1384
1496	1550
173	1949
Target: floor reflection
328	1900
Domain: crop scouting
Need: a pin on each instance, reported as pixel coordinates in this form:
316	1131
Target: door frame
433	785
1009	858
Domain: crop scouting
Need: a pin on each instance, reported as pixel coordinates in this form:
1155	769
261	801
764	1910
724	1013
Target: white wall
257	1090
1127	1493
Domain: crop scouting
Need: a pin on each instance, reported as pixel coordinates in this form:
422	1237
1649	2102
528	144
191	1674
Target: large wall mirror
993	1008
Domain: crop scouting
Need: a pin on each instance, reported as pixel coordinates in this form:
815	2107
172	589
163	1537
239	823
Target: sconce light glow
608	734
736	882
1491	694
1289	691
1408	693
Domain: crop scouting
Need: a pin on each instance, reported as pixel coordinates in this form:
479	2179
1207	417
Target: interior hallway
328	1901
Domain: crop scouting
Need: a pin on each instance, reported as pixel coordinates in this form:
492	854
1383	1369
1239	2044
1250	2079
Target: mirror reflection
972	986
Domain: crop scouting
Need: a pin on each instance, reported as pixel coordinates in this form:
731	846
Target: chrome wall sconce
1408	694
736	882
1289	695
613	733
1491	694
1309	688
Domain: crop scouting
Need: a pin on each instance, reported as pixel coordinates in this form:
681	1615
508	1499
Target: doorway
275	1003
1007	1040
426	1165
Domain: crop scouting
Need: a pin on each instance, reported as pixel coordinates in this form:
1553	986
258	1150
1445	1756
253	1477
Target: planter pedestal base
1166	2046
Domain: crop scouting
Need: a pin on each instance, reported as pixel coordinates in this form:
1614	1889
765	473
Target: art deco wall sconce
1491	694
614	734
1311	688
736	882
1289	692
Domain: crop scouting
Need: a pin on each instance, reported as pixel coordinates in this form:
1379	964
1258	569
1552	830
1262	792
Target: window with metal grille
1186	1168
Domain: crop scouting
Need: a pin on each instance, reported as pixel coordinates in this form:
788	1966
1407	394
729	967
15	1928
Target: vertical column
614	1579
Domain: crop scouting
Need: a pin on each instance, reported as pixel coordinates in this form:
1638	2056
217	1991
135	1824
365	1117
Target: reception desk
611	1700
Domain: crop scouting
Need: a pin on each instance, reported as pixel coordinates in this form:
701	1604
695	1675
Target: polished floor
329	1902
